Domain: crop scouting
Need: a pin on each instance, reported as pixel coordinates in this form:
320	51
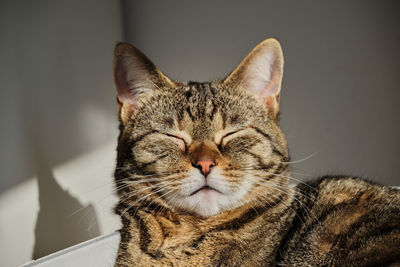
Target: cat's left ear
135	77
260	74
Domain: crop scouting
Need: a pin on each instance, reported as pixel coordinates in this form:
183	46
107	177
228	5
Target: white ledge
100	252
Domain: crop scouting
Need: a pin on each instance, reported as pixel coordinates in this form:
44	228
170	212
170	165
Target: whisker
282	189
301	160
287	205
289	177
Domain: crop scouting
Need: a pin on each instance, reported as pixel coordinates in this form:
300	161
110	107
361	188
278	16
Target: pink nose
205	166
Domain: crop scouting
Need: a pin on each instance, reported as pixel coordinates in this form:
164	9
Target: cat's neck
166	228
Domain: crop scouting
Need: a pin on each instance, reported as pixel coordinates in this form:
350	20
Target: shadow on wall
57	104
61	69
63	221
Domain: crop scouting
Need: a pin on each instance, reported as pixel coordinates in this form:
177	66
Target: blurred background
339	101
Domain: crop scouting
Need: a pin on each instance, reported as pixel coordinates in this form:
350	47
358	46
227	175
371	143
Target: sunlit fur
199	112
248	215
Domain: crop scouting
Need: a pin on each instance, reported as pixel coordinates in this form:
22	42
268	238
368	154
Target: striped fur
251	216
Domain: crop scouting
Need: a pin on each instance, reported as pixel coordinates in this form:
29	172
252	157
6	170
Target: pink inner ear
264	77
269	94
271	91
123	91
270	101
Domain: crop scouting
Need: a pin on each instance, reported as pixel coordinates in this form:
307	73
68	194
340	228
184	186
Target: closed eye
226	138
179	141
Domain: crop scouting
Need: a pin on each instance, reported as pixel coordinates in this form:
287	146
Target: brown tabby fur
333	221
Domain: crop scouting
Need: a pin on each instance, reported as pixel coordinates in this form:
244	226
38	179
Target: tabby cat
202	176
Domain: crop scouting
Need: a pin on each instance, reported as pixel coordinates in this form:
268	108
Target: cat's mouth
205	188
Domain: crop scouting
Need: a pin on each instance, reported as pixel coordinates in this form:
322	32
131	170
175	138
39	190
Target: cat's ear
260	74
135	76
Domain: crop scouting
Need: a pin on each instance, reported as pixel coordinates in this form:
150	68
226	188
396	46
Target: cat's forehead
204	101
200	109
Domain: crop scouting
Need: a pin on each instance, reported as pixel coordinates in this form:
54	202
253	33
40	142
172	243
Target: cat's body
336	224
203	171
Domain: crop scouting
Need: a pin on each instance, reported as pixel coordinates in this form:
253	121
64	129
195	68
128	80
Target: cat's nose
204	166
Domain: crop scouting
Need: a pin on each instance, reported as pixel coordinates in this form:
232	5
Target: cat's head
200	148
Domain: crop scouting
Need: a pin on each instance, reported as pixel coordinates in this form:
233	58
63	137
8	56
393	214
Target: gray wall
56	64
341	84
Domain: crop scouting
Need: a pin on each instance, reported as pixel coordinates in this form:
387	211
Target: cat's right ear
135	77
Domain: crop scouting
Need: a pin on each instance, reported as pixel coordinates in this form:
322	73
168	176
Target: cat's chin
207	198
205	202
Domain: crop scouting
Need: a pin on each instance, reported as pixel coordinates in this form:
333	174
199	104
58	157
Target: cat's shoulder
340	189
343	221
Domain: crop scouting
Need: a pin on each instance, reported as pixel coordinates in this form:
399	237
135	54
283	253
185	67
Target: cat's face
199	148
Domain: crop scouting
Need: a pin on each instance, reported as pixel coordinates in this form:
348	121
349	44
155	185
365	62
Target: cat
203	177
